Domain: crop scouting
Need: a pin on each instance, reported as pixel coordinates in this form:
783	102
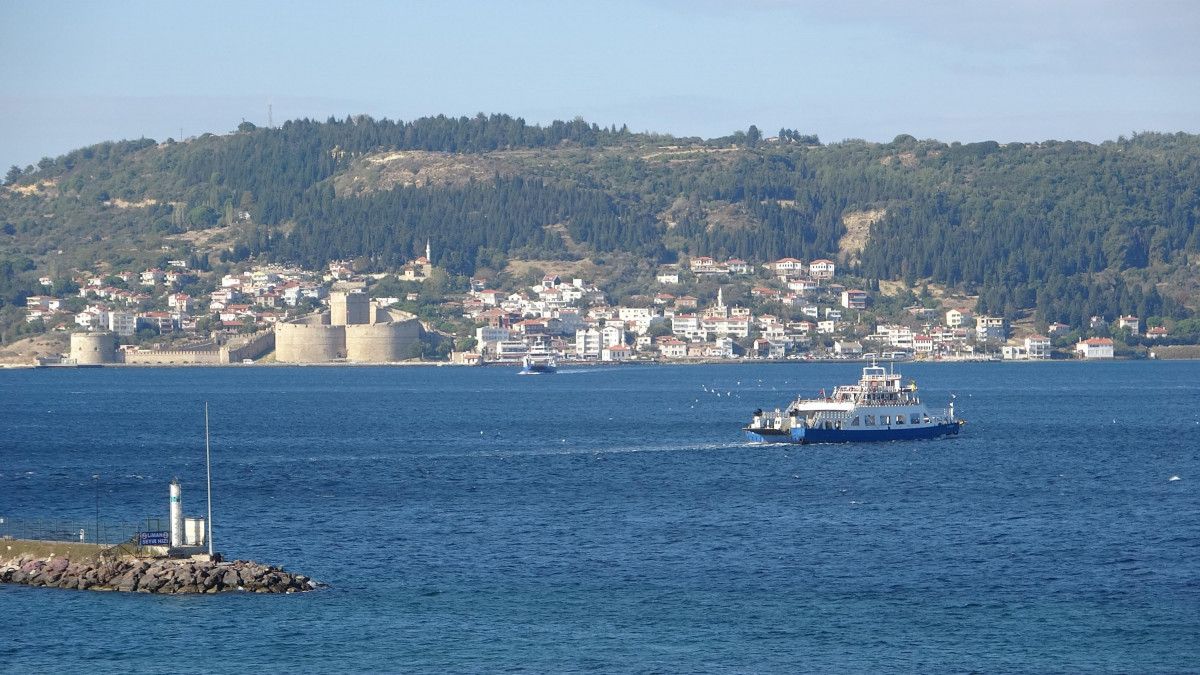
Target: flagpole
208	469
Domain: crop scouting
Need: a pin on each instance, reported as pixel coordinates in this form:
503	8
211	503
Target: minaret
720	298
428	254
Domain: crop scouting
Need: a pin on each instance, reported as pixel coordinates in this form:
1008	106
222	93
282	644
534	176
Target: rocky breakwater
159	575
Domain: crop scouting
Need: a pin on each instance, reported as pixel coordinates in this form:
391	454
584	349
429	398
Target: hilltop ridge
1061	229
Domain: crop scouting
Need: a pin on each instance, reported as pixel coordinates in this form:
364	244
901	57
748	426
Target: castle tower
349	308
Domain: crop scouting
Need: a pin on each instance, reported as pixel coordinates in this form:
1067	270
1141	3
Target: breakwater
156	575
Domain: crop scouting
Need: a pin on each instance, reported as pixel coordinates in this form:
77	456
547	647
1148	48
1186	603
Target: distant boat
878	408
538	362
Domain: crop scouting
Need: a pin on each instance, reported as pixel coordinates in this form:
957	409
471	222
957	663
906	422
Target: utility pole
96	484
208	470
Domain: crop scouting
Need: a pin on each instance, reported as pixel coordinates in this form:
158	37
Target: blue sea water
613	520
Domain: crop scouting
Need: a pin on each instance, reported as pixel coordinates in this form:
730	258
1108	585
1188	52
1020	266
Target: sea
613	520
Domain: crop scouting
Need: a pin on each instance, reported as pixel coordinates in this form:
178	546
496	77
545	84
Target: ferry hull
802	435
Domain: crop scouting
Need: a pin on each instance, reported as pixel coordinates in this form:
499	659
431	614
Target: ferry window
870	420
854	422
916	418
885	420
899	419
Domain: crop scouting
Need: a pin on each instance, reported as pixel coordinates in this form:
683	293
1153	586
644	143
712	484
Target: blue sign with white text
154	538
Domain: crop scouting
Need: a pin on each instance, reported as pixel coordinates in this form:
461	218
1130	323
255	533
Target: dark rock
128	582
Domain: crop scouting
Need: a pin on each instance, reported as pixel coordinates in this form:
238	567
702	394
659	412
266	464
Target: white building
616	353
488	336
672	348
1037	347
1131	323
991	328
122	323
687	326
1095	348
587	343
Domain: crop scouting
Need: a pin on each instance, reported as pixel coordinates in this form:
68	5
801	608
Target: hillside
1062	229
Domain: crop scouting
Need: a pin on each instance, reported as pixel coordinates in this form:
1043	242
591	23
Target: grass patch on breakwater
74	550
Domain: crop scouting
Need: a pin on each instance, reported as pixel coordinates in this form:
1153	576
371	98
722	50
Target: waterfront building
1095	348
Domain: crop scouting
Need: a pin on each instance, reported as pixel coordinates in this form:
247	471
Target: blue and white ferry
539	361
878	408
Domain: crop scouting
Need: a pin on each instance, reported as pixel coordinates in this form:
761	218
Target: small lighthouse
177	539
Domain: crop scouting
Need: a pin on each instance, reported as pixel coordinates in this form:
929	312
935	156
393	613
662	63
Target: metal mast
208	469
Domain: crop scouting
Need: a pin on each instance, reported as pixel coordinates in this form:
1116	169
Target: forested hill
1066	228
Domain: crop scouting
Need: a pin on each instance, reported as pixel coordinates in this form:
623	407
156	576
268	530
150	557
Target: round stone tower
93	349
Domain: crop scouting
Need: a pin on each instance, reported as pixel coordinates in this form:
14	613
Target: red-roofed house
1095	348
821	269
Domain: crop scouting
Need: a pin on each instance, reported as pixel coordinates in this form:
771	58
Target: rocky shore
159	575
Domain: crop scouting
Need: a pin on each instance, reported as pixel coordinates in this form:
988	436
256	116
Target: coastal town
785	309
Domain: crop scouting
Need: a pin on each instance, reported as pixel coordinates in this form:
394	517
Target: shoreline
569	365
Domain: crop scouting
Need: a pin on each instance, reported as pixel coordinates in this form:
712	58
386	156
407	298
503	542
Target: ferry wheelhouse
878	408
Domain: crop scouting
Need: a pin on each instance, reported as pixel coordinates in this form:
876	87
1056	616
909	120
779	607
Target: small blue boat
878	408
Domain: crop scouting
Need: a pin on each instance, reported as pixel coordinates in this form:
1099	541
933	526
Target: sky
78	73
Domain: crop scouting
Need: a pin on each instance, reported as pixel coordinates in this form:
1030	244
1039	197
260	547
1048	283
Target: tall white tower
176	514
428	253
720	298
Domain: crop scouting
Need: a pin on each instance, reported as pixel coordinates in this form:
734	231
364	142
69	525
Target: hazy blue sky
75	73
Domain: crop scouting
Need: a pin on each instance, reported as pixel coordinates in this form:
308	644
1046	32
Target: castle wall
304	343
173	357
382	343
89	349
260	343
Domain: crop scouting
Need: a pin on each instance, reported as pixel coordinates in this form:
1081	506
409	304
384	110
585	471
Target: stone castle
354	330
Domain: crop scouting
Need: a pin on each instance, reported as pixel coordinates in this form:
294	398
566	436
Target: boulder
127	582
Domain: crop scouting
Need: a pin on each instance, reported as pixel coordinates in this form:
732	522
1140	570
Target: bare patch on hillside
123	204
716	215
46	188
906	159
567	269
25	351
204	238
573	246
384	171
858	232
676	153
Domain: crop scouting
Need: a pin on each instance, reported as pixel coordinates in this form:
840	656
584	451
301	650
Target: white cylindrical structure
176	514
